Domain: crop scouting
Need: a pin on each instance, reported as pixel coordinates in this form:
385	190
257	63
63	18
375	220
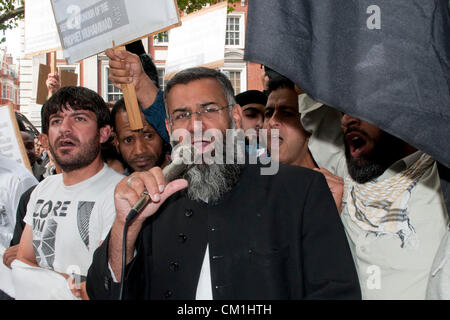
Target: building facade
242	74
93	72
9	80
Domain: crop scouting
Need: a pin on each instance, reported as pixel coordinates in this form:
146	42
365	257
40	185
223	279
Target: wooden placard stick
53	68
131	102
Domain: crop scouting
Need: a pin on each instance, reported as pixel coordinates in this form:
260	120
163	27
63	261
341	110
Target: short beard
86	155
387	150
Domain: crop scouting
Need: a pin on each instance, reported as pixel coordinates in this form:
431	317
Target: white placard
199	41
6	282
89	27
41	34
34	283
10	145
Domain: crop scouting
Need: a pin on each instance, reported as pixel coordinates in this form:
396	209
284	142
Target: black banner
383	61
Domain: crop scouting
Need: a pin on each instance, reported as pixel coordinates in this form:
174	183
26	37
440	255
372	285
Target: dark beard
86	155
387	150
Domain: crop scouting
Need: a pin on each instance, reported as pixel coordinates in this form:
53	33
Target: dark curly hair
76	98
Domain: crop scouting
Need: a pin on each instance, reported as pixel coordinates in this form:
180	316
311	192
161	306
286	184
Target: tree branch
11	14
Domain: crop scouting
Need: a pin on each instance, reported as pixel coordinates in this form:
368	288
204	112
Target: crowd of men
352	211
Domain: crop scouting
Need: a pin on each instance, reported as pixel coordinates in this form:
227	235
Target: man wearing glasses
230	233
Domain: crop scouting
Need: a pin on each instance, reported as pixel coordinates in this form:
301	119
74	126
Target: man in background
252	103
150	146
393	211
142	149
282	113
15	179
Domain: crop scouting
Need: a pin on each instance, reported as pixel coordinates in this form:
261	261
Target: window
113	93
162	82
4	91
69	69
161	39
234	36
235	79
237	73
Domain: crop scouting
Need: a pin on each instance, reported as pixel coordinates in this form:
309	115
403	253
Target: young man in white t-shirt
69	214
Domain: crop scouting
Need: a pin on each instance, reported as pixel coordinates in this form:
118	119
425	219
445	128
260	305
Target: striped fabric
382	206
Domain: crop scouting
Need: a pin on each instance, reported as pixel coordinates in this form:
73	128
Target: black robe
271	237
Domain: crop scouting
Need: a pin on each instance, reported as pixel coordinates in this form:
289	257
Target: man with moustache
142	149
36	163
392	204
69	214
391	201
231	233
393	211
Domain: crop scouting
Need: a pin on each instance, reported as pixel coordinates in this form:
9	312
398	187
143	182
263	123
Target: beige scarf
381	207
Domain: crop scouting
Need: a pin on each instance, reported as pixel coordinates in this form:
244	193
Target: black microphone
170	172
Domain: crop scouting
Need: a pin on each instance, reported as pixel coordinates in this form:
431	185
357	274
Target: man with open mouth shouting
392	210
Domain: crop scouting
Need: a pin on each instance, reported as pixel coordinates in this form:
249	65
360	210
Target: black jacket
271	237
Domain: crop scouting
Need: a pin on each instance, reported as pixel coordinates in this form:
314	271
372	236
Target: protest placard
89	27
42	91
11	144
199	41
67	78
6	281
41	34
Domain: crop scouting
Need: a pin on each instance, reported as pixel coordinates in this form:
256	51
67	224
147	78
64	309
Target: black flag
383	61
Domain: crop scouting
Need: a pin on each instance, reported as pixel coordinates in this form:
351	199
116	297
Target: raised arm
126	67
53	84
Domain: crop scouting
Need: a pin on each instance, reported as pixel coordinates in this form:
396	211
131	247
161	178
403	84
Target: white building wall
90	73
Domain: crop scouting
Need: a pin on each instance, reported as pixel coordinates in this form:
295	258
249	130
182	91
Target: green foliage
11	12
193	5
